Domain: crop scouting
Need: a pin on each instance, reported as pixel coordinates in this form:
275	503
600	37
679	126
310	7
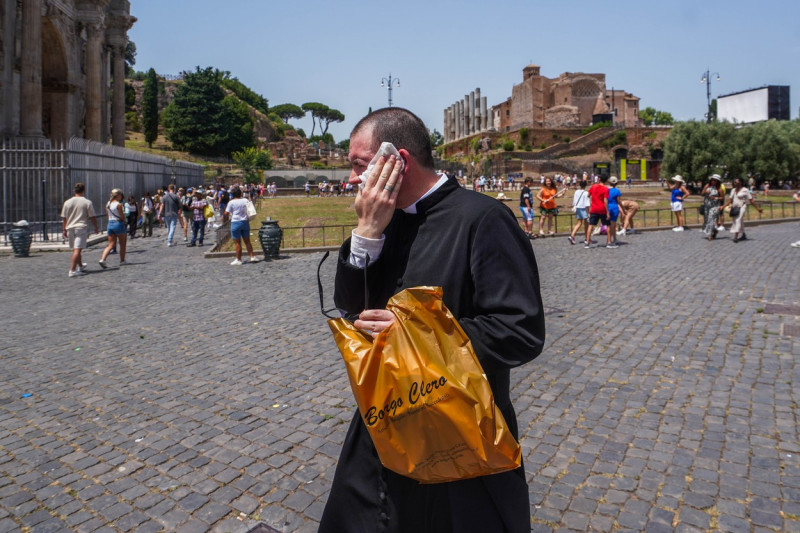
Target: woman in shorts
240	226
679	194
117	231
580	205
548	208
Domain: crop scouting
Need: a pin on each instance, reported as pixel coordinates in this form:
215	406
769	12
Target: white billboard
747	106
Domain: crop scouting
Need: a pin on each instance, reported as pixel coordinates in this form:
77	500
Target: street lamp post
389	82
707	80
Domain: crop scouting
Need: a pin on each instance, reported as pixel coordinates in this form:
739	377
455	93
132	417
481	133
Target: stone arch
586	88
55	83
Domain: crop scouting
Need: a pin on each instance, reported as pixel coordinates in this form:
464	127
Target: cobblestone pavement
185	394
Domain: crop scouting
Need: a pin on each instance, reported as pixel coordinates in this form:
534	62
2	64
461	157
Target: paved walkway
184	394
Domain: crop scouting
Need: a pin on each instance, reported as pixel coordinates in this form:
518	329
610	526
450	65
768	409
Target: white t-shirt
581	199
237	208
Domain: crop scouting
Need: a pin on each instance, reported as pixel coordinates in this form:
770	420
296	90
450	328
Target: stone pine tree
150	107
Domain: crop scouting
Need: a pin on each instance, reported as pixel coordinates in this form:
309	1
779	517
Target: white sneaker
796	244
123	263
82	267
103	263
254	259
677	228
76	273
236	262
720	228
621	233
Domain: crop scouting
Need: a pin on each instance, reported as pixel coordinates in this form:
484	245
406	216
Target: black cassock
472	246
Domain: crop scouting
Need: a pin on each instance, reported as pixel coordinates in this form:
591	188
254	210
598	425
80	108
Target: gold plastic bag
423	395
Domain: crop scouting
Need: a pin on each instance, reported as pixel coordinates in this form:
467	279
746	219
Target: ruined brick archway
55	84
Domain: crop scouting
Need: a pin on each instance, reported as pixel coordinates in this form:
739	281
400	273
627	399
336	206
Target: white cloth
361	246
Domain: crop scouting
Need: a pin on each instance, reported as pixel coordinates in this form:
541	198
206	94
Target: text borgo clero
392	410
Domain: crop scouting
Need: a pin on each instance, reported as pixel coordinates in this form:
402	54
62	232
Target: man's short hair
402	128
171	187
237	192
80	188
603	178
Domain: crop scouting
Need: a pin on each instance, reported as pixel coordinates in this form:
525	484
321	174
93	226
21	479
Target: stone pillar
477	106
118	98
10	98
472	112
465	114
458	119
30	69
484	114
94	82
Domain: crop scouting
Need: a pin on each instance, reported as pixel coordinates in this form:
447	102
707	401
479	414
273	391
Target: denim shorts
115	227
527	213
240	229
581	214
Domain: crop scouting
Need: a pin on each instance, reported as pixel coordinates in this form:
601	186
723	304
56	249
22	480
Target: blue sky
336	53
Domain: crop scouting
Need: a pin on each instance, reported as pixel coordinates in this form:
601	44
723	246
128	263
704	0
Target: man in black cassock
419	228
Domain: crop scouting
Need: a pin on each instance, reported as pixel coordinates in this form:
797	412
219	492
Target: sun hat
715	177
678	178
613	180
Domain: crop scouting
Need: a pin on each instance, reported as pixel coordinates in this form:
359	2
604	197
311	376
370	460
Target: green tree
301	132
437	139
150	107
344	145
202	120
251	160
130	57
288	111
650	116
317	110
330	115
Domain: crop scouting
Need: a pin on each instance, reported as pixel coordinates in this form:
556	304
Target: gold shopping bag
423	395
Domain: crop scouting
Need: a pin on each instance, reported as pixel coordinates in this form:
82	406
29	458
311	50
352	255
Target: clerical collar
412	209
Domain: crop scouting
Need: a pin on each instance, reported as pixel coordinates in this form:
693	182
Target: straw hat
678	178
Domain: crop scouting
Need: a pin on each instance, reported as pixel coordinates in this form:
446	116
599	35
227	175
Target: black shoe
191	244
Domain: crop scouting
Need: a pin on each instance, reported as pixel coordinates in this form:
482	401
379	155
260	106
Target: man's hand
375	202
373	321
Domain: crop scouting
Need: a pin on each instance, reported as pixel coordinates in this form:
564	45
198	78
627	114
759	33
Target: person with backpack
169	210
186	211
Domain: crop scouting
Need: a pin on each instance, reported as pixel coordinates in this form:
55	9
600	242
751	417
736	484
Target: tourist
157	206
223	197
169	211
133	217
580	206
236	210
526	207
630	207
598	209
116	230
416	226
198	218
679	194
76	214
187	213
712	200
614	210
548	208
739	198
148	215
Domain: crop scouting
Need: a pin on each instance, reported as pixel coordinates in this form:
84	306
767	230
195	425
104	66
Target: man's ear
406	159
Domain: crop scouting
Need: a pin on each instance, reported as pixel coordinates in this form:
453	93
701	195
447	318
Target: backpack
186	203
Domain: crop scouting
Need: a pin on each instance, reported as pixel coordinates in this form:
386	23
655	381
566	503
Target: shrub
317	164
523	135
132	121
597	126
527	147
508	146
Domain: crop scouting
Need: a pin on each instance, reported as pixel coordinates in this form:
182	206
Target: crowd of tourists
193	209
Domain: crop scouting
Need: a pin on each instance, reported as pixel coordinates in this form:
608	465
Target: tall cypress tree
150	107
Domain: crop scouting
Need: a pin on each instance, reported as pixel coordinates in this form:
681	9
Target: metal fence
335	235
39	175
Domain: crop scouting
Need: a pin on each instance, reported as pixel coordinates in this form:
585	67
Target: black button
384	516
382	496
399	282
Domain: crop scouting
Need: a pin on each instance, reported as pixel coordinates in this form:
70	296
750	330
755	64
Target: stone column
457	119
477	121
465	115
484	114
118	98
94	82
472	112
10	98
30	69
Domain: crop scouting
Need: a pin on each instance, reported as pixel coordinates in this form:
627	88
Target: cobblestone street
184	394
